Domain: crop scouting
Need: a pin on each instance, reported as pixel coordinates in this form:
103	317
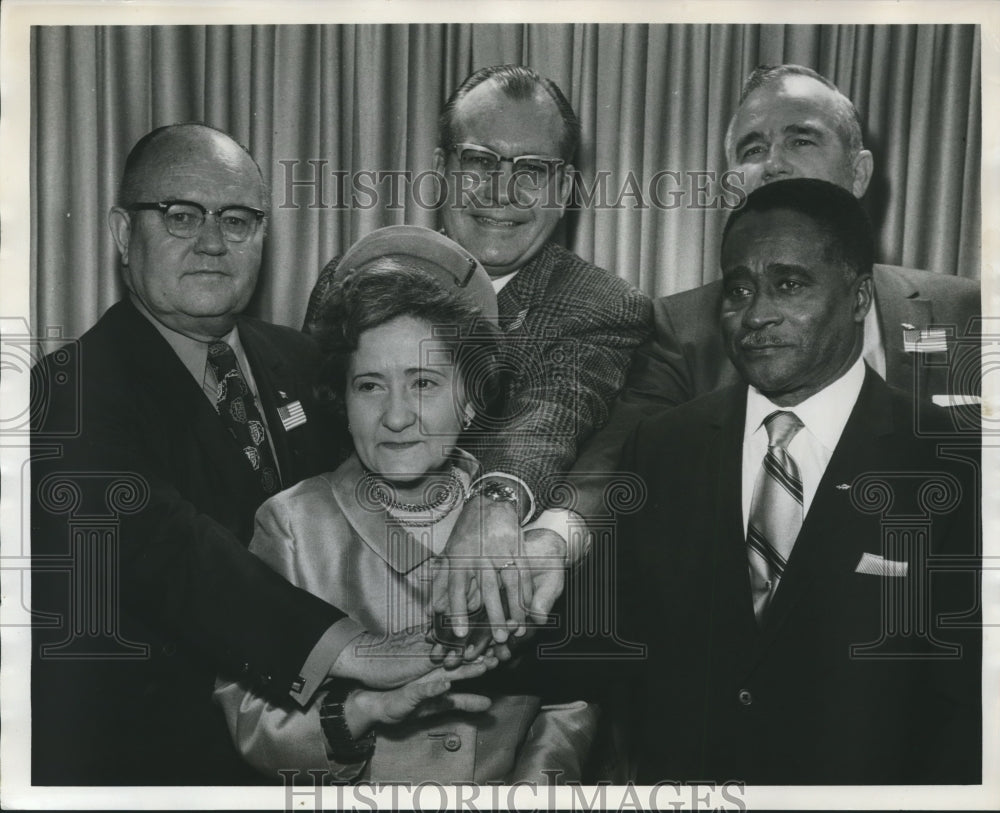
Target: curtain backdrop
311	101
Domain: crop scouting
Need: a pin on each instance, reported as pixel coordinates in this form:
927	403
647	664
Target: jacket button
745	697
265	680
245	669
452	742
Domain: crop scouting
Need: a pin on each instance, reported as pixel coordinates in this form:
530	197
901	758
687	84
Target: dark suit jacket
721	698
570	330
685	357
160	502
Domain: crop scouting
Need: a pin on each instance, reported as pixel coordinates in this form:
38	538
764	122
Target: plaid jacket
570	330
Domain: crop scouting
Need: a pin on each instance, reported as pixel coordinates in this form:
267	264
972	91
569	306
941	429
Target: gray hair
848	118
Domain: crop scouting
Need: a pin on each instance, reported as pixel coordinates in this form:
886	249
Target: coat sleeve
277	736
181	572
564	381
658	379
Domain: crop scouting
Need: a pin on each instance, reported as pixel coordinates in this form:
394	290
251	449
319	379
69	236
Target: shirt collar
400	547
192	353
824	414
499	282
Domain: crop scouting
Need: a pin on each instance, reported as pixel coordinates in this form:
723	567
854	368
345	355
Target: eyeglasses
184	218
527	171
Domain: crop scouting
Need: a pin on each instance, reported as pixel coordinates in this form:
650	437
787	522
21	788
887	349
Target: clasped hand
487	558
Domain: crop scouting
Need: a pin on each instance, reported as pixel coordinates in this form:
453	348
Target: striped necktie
239	413
775	512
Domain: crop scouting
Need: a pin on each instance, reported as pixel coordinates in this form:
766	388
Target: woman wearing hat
409	347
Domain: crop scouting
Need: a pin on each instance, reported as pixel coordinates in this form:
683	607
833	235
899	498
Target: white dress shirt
873	351
823	416
499	282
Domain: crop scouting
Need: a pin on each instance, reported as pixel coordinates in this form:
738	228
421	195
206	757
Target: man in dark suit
156	437
785	571
794	123
506	143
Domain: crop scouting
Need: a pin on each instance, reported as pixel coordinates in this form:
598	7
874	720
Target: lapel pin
517	321
292	414
926	340
843	486
283	394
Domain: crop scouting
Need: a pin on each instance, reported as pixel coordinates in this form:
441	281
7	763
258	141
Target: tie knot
781	428
222	358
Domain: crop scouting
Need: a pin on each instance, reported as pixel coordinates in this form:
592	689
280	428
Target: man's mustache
759	339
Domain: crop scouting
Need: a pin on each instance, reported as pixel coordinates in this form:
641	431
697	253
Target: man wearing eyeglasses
190	415
506	142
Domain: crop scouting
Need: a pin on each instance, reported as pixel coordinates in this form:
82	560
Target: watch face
500	492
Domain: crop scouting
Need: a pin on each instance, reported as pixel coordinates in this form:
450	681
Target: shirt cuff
317	667
570	527
502	474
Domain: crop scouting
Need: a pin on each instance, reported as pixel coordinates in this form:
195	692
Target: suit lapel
825	543
730	562
277	385
899	303
173	398
526	288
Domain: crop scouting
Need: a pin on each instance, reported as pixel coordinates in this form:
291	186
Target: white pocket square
956	400
875	565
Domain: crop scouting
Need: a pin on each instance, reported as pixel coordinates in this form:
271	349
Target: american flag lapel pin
292	414
924	340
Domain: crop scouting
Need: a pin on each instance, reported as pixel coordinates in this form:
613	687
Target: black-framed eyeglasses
527	171
184	218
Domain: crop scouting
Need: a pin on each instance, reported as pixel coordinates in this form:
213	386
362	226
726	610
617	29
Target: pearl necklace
443	503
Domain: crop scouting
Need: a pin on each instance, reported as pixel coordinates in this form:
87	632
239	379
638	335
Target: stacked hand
486	556
385	662
423	697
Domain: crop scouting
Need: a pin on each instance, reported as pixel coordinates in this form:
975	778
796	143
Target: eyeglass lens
185	220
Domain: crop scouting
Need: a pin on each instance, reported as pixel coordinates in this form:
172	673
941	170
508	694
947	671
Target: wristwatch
495	490
342	746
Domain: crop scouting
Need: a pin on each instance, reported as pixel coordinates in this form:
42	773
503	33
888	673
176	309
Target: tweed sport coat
135	474
570	329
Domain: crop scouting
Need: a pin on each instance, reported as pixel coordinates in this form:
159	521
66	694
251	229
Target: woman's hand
426	696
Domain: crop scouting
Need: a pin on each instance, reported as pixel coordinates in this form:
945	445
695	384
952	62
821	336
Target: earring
470	414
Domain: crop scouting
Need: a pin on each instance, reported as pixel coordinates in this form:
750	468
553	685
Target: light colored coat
323	536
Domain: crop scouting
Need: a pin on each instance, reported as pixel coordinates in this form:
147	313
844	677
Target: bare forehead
788	100
489	115
776	235
200	165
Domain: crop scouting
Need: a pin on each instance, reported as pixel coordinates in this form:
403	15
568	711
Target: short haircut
850	242
848	118
145	148
391	287
516	82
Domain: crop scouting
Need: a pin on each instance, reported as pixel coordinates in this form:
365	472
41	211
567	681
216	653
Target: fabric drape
320	105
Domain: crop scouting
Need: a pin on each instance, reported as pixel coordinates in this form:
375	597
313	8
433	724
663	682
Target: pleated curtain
320	105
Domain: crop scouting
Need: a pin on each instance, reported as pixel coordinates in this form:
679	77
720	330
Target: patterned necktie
775	512
239	413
